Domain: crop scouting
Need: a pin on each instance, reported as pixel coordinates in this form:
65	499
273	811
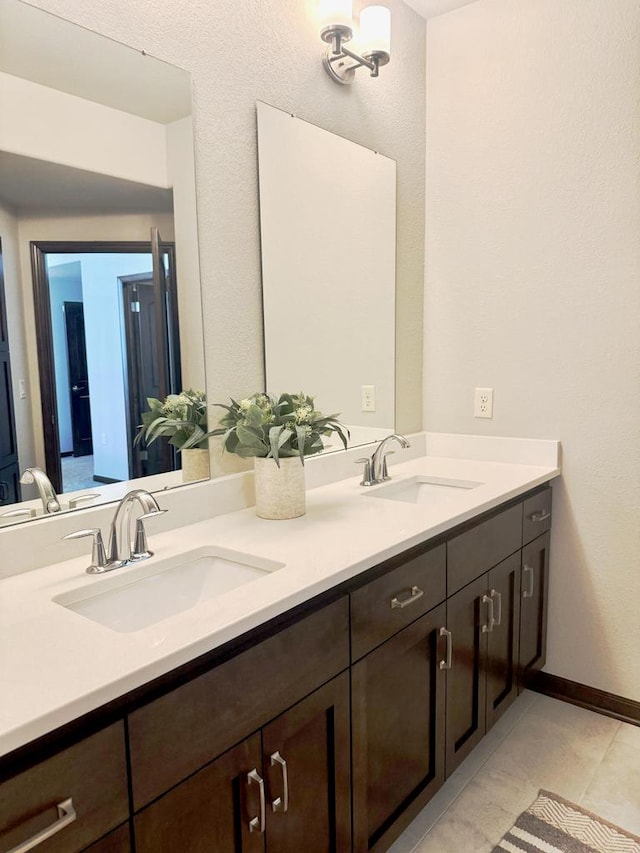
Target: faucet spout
378	460
121	546
50	503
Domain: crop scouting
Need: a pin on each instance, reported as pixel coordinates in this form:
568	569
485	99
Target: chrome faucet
375	468
50	503
125	546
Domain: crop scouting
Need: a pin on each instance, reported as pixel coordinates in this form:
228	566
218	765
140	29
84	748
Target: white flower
302	414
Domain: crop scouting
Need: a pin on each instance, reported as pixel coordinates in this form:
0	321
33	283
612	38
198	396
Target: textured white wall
240	52
533	284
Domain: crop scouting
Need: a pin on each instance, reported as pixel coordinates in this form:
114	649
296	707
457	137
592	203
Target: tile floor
77	473
540	742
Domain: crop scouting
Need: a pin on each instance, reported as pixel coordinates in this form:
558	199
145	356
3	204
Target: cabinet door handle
497	597
528	591
446	663
66	815
413	595
281	804
257	824
488	626
540	516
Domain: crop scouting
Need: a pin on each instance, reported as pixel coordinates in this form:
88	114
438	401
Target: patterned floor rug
554	825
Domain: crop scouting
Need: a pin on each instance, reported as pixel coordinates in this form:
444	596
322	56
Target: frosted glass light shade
375	30
336	12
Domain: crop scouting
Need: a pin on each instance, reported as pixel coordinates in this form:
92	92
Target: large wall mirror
328	233
99	277
96	155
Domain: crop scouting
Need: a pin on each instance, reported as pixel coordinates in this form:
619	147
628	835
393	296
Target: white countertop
56	665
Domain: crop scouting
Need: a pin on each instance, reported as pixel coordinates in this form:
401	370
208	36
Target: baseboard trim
626	710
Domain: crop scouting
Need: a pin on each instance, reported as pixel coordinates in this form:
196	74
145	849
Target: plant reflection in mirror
182	417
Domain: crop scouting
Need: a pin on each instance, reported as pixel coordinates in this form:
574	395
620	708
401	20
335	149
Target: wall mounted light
336	18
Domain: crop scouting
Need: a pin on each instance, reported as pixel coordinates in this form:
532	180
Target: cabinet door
211	811
306	758
117	841
533	606
468	621
398	731
503	638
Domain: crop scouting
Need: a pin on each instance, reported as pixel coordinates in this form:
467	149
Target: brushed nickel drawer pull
497	596
487	628
446	663
526	569
66	815
542	515
257	824
414	594
281	804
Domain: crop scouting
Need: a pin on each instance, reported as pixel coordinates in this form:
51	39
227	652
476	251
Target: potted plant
183	419
278	432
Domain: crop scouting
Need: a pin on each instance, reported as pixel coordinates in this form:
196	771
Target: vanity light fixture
337	28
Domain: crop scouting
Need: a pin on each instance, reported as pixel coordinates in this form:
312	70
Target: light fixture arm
339	51
340	62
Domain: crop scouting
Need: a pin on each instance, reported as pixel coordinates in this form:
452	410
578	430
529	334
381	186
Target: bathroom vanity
330	715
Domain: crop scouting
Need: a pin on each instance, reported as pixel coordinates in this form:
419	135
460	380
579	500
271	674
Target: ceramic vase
195	464
280	490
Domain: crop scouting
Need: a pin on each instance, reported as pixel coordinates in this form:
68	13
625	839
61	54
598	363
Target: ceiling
35	187
431	8
51	51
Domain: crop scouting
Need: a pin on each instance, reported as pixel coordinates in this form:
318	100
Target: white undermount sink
152	591
429	491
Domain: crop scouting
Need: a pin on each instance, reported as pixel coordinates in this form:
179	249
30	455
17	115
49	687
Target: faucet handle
140	548
366	474
20	513
87	496
98	553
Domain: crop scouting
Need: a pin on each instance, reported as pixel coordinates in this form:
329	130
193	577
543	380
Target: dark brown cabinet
307	765
185	729
287	786
533	606
79	793
483	619
209	812
324	732
398	713
118	841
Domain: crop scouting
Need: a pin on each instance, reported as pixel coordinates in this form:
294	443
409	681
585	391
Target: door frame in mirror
44	332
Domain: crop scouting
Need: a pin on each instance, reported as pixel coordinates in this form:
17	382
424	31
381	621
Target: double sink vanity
305	684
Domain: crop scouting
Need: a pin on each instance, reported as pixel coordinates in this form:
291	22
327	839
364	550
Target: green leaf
248	437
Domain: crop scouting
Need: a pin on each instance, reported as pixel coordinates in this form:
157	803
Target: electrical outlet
368	397
483	403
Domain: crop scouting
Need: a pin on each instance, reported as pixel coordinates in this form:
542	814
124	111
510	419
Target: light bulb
375	30
335	12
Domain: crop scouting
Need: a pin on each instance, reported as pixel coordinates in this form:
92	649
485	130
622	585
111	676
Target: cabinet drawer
91	773
177	734
536	518
476	550
386	605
